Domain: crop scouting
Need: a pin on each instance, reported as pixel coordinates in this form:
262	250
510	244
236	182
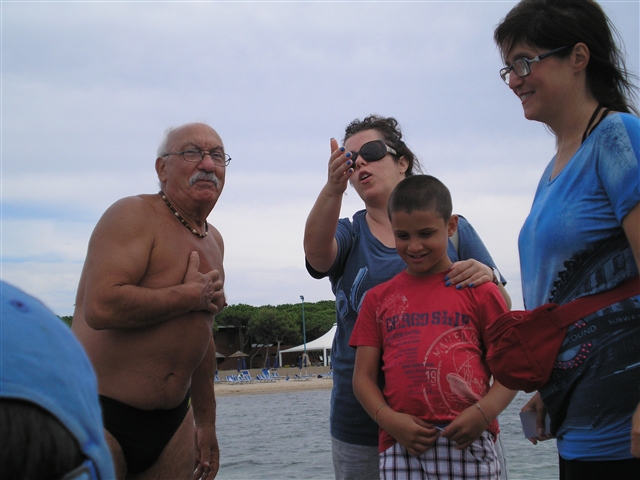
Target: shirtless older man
145	305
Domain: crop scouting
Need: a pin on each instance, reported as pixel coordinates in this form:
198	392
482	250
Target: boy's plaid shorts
442	461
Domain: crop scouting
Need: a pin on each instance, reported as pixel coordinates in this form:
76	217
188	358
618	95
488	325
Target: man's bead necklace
182	220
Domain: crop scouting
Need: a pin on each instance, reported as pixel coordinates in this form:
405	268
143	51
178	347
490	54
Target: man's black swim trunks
142	434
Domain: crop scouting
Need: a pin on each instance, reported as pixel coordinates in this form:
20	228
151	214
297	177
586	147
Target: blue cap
43	363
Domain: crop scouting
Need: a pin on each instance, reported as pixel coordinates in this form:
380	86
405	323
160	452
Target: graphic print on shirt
343	304
464	384
439	354
595	270
589	272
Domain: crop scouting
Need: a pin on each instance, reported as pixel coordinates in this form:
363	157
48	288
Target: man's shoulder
133	214
136	205
215	234
143	200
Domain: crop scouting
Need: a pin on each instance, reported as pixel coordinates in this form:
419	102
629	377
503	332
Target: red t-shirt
432	339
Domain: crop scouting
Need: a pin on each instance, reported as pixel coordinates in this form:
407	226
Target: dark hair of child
421	192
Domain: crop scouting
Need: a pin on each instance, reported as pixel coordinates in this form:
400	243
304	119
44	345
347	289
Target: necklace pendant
182	220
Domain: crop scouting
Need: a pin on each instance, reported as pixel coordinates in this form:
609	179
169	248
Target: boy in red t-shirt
437	410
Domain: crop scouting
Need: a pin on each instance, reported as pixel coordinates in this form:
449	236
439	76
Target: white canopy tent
323	343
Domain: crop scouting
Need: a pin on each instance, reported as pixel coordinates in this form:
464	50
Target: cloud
88	88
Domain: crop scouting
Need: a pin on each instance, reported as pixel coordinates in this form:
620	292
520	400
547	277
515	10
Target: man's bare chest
169	259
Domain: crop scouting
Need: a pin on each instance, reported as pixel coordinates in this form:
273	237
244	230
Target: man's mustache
200	175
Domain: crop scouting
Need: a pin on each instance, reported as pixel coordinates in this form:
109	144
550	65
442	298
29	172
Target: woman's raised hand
340	168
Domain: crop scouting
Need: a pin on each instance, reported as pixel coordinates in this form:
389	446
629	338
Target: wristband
483	413
375	417
496	276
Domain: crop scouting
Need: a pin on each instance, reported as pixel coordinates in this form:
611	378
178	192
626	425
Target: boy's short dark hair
421	192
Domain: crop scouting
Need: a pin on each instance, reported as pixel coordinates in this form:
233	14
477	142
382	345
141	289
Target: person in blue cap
49	409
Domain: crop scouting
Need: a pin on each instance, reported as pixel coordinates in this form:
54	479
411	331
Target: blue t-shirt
571	245
362	263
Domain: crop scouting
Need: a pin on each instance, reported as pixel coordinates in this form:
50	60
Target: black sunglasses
373	151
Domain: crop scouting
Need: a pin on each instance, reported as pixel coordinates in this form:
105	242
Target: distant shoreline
312	382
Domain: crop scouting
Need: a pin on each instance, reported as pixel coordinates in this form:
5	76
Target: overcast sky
88	89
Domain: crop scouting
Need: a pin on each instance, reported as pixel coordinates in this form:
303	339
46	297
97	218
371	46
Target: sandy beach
312	382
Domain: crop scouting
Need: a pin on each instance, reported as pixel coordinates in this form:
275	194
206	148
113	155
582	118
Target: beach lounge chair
245	376
232	379
275	375
262	378
267	374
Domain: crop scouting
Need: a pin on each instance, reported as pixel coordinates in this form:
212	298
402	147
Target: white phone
528	420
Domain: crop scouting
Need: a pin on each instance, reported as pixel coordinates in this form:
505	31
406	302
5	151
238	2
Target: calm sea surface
286	436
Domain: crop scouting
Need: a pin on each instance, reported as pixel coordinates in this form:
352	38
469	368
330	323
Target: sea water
286	436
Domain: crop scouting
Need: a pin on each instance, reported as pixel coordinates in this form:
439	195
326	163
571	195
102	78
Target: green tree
319	316
271	325
238	316
67	319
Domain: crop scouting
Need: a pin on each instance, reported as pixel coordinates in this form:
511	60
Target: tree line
278	325
281	324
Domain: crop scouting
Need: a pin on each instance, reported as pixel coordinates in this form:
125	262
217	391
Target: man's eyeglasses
195	155
522	66
373	151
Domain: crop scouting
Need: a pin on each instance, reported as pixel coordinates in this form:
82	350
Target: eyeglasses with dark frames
195	155
522	66
373	151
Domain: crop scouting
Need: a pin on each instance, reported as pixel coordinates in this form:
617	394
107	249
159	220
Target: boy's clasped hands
418	436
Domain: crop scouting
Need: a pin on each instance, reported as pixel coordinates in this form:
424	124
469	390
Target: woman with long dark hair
582	235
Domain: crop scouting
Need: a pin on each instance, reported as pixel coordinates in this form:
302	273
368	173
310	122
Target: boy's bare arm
413	433
365	380
469	425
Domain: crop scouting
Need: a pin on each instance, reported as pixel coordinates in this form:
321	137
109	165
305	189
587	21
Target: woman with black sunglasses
582	235
358	254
